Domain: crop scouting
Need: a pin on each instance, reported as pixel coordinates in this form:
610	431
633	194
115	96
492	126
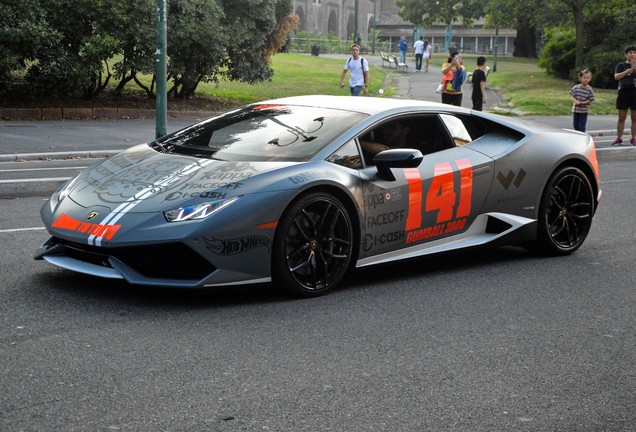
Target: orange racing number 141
441	196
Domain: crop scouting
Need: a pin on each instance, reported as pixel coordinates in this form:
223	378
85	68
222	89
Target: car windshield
262	133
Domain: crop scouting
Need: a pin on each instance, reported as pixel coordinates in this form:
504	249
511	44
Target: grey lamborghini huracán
297	191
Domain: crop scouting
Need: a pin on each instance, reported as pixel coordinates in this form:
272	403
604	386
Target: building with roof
338	17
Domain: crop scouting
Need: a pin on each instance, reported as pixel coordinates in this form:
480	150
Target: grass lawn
531	91
526	87
294	74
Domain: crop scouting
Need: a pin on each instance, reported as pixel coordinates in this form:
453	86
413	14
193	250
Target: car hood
156	181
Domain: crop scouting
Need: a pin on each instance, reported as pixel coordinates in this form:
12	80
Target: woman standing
451	73
427	54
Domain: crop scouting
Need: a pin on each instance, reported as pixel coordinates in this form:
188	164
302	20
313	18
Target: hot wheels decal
237	245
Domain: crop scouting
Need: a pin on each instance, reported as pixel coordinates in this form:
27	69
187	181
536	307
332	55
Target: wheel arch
586	169
347	200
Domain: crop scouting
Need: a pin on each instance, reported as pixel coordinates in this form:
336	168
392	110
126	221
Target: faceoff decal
452	208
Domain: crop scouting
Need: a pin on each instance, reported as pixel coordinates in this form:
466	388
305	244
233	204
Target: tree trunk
525	42
577	11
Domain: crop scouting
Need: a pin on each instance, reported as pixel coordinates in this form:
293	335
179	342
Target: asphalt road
497	341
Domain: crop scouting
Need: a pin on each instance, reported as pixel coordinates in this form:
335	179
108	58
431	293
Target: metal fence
470	45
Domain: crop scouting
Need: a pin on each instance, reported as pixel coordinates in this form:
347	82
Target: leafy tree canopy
65	47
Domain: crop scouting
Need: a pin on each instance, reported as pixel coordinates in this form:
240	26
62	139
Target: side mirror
396	158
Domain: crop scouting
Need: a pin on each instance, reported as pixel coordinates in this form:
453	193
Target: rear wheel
313	245
566	211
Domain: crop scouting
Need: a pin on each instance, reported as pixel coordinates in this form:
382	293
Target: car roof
365	105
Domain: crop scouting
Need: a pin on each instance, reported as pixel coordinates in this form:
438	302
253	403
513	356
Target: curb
20	157
38	114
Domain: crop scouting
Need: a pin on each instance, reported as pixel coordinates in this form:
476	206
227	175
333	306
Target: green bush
559	54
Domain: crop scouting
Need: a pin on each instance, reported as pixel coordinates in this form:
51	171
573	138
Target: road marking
42	169
21	229
34	180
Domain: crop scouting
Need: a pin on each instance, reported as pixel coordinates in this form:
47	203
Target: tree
427	12
134	26
522	15
25	35
197	44
577	7
258	32
66	47
74	62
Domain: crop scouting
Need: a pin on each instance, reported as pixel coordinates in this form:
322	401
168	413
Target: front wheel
566	211
312	246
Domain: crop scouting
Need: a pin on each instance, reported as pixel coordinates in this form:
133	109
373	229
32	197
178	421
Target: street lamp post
161	72
355	22
373	43
494	65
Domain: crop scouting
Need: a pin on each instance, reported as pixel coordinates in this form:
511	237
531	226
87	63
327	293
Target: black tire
313	245
565	213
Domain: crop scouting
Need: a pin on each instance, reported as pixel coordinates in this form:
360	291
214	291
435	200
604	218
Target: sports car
298	191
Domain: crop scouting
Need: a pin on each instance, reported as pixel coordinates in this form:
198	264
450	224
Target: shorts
452	98
626	99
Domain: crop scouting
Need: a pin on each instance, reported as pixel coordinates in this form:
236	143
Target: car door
438	199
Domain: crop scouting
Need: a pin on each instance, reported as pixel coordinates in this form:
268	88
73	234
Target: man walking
419	53
358	72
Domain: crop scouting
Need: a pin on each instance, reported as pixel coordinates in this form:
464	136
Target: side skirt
478	234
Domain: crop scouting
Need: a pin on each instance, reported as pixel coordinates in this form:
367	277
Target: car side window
347	156
457	129
423	132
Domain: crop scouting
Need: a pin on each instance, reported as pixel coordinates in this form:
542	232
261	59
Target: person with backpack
453	76
358	72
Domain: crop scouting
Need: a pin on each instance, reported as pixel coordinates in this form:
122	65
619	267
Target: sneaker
617	141
633	141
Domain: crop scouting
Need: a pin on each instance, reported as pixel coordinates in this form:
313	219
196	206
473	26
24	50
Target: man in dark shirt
479	84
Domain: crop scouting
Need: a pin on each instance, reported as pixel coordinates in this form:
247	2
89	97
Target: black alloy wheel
313	245
565	215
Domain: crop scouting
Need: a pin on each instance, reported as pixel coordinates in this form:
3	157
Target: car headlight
198	211
62	192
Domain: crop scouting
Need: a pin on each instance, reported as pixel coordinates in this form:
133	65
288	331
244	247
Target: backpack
458	79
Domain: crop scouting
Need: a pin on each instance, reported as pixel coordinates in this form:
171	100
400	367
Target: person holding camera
625	74
453	75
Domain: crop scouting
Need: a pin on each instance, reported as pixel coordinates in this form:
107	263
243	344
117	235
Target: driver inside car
393	135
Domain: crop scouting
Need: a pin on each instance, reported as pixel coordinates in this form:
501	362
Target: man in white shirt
419	52
358	72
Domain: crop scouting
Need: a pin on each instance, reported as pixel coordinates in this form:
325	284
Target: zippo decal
98	230
442	198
